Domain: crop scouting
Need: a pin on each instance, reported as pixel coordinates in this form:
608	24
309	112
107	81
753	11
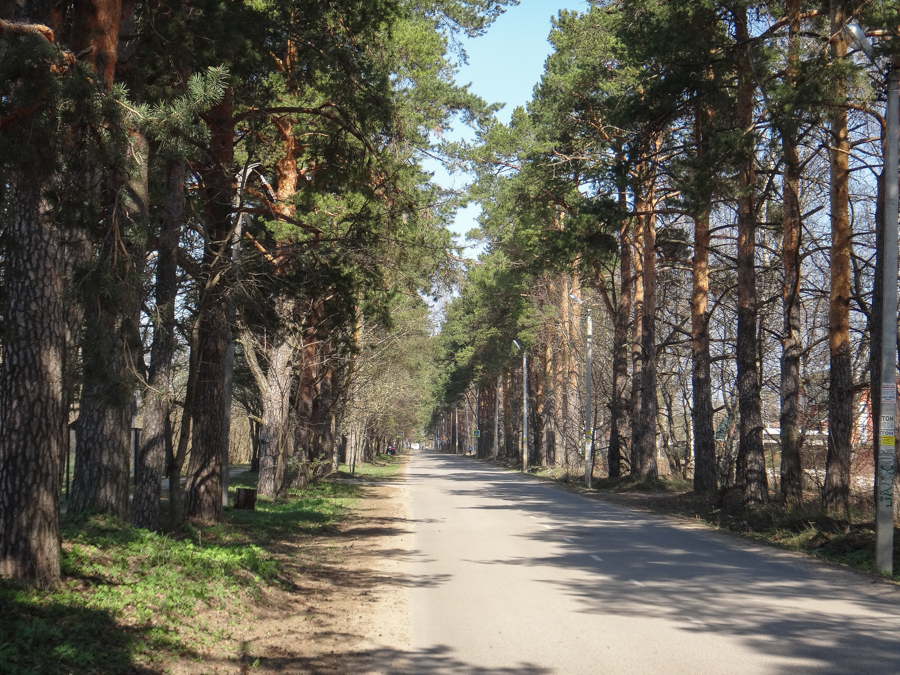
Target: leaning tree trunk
32	412
836	493
203	495
751	461
151	459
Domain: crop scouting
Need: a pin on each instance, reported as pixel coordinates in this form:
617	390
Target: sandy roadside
346	611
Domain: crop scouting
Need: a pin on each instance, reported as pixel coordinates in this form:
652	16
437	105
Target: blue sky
504	66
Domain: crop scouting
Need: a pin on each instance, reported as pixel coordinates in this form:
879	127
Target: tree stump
245	499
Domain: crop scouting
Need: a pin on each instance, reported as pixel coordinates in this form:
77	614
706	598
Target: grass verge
384	467
132	600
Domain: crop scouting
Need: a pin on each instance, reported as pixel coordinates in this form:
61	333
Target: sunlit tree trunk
156	432
836	493
111	344
751	464
649	409
637	427
791	472
619	424
203	495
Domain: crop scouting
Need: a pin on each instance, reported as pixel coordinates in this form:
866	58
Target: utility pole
884	509
885	451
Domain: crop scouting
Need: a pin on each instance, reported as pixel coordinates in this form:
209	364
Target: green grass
130	599
385	467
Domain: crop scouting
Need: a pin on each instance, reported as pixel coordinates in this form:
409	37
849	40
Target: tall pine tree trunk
702	414
111	341
751	461
619	424
203	496
637	357
649	409
703	435
156	433
276	398
836	494
32	412
791	471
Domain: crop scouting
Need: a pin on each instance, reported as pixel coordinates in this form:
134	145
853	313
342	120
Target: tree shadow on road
781	605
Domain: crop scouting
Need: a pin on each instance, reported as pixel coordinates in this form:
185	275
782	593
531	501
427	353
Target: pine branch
28	29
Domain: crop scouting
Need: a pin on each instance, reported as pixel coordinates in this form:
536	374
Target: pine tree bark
619	424
32	411
275	394
649	409
751	464
543	403
791	484
203	494
111	339
702	414
703	438
836	493
637	357
151	459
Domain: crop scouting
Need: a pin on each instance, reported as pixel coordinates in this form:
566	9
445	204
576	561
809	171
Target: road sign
477	433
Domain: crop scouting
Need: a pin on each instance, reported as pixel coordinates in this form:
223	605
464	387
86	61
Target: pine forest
222	244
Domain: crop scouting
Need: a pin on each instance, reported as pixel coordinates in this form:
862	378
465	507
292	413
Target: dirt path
348	608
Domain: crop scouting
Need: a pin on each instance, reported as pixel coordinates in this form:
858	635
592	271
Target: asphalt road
508	575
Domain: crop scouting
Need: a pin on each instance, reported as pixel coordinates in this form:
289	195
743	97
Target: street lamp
588	410
884	508
524	406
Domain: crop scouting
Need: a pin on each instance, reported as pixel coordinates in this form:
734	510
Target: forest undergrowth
131	601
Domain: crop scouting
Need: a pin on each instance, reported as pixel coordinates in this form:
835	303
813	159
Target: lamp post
524	406
588	437
884	507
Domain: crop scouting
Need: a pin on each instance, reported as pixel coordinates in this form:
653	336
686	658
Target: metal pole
588	409
524	412
884	509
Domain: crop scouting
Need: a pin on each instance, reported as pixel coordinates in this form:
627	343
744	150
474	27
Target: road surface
508	575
